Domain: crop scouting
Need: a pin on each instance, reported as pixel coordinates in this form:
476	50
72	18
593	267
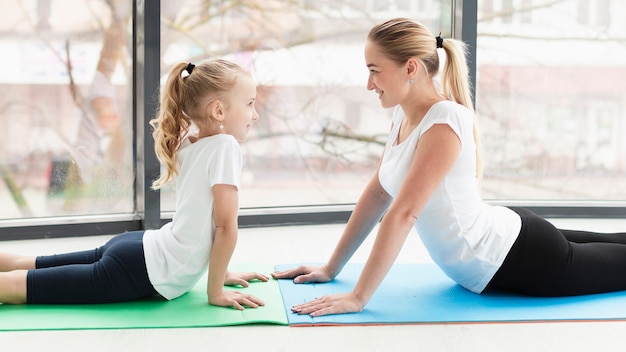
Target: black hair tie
439	41
190	67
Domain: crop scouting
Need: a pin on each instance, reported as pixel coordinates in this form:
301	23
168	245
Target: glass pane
551	99
320	132
65	108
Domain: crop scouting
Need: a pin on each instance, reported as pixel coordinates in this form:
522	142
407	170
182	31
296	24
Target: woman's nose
370	84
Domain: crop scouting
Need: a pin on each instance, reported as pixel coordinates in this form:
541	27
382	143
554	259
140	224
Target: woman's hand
332	304
243	279
236	300
304	274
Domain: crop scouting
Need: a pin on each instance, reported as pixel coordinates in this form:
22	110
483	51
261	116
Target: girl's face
386	77
240	112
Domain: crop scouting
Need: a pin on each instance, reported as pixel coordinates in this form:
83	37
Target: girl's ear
216	110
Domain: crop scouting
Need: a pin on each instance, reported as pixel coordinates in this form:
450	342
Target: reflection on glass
551	99
65	98
320	132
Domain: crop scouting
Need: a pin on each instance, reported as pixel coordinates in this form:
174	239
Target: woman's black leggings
115	272
546	261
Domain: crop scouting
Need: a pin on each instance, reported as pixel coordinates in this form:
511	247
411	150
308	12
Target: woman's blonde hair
185	98
402	39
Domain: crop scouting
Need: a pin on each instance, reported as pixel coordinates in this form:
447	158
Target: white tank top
467	238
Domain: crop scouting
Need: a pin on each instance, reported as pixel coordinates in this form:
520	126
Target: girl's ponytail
170	125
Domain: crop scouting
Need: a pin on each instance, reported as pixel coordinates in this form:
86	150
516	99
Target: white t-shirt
177	255
467	238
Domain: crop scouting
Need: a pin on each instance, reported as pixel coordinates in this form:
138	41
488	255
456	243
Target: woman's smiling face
386	77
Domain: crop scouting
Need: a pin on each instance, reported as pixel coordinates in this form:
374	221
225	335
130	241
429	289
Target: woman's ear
411	67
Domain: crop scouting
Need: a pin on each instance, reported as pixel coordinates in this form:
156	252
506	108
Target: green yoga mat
189	310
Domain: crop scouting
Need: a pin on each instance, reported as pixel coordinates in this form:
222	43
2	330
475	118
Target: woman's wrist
331	271
359	299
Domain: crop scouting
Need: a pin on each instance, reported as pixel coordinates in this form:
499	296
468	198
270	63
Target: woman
428	179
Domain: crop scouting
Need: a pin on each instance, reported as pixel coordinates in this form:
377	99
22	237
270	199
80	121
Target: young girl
428	178
205	111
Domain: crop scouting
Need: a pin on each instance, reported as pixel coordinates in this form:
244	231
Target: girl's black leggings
115	272
546	261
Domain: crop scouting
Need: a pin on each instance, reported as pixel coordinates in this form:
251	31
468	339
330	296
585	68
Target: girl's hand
332	304
243	279
304	274
236	300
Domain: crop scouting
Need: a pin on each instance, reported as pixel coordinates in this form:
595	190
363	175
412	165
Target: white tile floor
314	244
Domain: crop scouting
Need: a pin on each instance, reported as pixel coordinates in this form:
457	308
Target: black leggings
115	272
546	261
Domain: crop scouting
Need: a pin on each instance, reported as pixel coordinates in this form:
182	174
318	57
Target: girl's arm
225	213
435	155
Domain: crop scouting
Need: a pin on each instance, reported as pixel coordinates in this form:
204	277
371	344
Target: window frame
148	215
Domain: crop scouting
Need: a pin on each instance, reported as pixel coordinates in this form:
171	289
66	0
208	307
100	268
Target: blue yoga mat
421	293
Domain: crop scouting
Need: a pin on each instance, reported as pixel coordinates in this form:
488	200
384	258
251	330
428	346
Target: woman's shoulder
449	106
450	111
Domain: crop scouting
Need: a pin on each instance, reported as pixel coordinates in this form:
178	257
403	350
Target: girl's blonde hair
185	98
403	38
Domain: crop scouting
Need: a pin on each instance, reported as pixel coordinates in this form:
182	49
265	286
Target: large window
551	98
320	132
65	108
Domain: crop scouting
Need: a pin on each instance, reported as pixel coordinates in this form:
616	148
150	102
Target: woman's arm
367	212
435	155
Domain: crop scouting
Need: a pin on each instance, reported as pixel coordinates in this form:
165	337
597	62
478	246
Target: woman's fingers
331	304
291	273
315	308
304	274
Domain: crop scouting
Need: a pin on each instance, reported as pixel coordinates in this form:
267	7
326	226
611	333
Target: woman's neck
415	110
